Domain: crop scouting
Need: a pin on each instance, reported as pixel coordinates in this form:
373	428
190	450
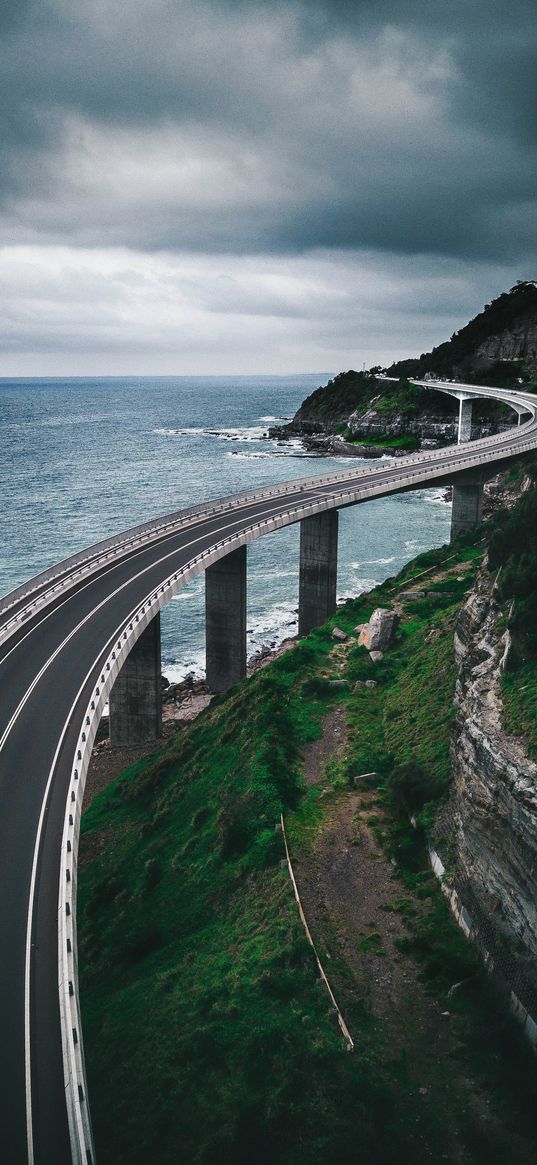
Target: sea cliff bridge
86	632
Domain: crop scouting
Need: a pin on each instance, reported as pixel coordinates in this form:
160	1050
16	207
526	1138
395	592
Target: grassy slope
353	391
401	730
199	991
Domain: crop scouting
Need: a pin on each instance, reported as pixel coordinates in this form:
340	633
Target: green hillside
329	407
358	391
511	310
208	1035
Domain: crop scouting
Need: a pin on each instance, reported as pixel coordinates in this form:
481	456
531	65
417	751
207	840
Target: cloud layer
280	130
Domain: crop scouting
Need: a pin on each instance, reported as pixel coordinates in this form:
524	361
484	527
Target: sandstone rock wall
517	343
490	827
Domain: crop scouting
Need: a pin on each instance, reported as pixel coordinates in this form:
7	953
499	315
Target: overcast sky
229	186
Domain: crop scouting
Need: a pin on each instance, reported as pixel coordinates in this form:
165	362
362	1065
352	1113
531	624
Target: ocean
84	458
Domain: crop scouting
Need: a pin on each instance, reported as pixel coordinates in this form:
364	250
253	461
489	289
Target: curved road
63	639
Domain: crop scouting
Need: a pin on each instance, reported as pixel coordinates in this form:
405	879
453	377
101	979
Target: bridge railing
43	588
117	650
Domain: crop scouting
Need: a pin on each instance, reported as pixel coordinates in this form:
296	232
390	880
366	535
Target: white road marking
357	479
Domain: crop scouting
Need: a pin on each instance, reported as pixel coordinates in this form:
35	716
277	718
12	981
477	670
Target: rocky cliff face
426	426
490	828
516	343
503	337
430	431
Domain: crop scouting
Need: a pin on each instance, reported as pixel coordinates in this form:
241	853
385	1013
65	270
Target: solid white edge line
238	539
155	529
50	660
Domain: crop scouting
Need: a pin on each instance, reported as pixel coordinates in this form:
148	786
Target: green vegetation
401	729
358	391
331	405
200	994
408	443
405	400
339	398
199	990
457	355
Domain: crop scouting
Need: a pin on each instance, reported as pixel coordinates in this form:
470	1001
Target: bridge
86	632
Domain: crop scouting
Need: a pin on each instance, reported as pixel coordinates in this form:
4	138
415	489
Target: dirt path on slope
355	906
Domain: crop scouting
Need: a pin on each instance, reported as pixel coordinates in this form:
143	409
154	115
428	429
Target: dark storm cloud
277	127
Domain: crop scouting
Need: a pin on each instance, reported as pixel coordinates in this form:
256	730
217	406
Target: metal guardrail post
359	489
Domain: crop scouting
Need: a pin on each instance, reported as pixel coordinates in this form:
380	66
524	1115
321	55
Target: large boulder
378	634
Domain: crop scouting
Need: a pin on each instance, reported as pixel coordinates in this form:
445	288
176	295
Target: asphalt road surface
54	645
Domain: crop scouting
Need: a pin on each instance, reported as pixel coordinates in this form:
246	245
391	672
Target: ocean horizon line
171	376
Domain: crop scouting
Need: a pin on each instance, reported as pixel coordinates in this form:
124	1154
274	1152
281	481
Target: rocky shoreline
428	432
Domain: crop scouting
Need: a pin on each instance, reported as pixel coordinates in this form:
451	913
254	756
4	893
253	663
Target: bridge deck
63	639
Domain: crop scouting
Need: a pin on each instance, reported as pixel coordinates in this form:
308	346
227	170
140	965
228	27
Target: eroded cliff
488	832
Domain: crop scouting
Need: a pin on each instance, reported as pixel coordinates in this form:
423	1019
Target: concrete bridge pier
465	419
318	570
467	503
135	703
225	621
468	488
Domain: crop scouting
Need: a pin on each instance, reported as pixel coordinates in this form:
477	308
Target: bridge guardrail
124	639
94	563
63	574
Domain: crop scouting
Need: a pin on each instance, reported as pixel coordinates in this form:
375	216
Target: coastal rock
334	445
373	424
516	343
490	826
377	635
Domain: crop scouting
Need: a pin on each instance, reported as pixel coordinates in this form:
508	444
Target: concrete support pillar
466	505
135	700
465	420
318	570
225	621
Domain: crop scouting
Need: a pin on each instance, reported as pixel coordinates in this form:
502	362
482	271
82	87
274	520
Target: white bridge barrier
421	469
43	588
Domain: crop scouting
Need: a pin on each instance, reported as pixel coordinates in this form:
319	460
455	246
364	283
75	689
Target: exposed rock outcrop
377	635
433	428
490	828
499	346
429	430
516	343
503	337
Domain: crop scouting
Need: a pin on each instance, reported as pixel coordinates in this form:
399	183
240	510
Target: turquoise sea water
81	459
